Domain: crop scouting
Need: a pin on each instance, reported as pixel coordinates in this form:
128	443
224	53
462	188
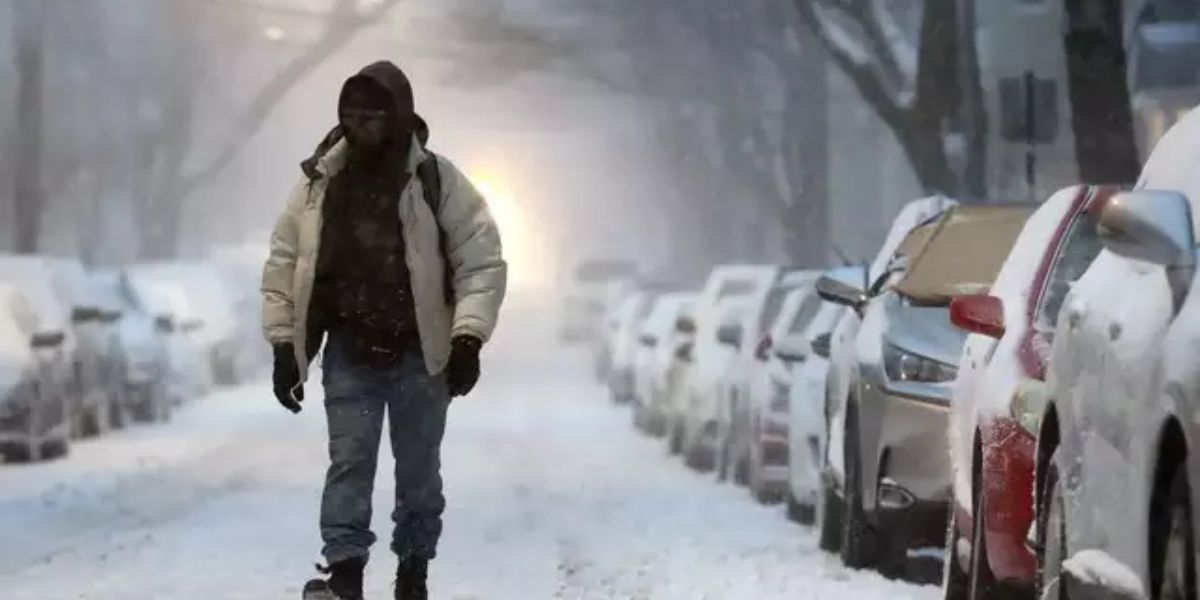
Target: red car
999	394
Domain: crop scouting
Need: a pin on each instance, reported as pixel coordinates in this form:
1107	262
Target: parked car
207	307
882	273
897	477
747	340
626	326
1003	364
34	418
606	327
189	374
1116	465
768	390
145	368
721	305
658	342
587	297
805	354
82	364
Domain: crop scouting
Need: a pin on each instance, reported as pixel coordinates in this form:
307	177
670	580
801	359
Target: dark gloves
463	371
285	376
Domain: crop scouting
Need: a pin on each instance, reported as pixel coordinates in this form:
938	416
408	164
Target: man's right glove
285	376
462	373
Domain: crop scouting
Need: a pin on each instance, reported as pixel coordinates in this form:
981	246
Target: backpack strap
431	182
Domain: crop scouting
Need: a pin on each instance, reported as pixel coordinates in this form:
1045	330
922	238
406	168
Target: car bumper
1008	487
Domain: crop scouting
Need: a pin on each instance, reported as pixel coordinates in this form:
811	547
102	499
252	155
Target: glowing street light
274	34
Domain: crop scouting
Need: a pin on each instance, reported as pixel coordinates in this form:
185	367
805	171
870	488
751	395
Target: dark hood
390	77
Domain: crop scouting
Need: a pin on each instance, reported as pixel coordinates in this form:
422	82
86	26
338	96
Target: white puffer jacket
472	246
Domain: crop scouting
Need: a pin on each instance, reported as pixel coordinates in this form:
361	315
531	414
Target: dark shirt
363	291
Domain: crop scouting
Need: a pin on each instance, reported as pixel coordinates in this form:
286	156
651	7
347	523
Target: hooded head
380	87
376	107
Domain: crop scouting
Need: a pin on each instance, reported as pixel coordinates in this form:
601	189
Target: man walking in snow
389	252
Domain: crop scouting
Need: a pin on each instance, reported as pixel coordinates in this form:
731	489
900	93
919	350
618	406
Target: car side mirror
791	350
47	339
164	324
730	334
822	345
192	326
1150	225
648	340
838	292
686	325
979	313
684	352
83	314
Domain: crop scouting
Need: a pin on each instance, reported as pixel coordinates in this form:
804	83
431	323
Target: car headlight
902	365
781	392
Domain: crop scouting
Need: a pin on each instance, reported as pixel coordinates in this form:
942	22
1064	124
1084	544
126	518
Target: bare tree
916	87
29	52
1101	109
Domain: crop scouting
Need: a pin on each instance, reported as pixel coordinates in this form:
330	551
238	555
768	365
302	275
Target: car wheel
956	582
52	449
799	512
983	584
1052	536
830	510
861	544
675	440
1172	567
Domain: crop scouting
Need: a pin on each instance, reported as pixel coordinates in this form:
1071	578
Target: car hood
924	330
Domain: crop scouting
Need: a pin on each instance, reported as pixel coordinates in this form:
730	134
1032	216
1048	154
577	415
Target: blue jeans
356	399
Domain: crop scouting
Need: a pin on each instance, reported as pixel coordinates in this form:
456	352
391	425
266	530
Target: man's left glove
463	371
285	376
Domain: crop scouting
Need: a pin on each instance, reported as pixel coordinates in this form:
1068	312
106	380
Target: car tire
675	439
1172	573
799	512
53	449
956	582
1051	536
699	460
830	512
861	543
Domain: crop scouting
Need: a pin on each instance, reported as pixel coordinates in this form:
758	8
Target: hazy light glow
275	34
520	244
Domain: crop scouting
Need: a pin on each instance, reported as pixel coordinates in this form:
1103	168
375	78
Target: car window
771	308
735	287
1081	246
805	314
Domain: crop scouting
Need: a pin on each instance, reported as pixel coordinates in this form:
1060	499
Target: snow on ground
551	495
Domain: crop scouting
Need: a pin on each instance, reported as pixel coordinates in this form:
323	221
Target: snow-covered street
552	495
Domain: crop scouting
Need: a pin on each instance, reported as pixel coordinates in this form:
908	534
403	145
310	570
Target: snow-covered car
606	327
627	323
805	356
208	309
897	476
144	370
767	389
658	342
882	273
747	340
34	418
1002	365
721	306
189	373
587	297
89	399
1116	465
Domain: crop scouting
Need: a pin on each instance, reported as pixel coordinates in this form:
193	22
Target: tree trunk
28	29
1101	108
807	151
973	110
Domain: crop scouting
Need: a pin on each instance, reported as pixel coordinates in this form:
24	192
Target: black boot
345	581
411	578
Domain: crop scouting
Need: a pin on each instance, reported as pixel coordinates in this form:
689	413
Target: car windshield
1082	245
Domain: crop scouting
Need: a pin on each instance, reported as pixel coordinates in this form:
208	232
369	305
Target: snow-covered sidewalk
552	495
